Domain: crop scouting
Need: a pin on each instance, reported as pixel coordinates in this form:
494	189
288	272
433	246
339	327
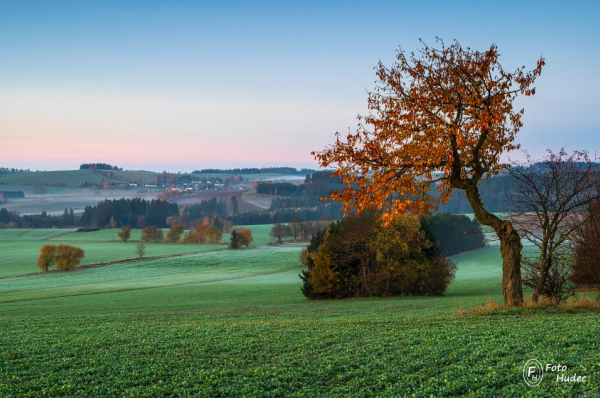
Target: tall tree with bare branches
550	202
440	119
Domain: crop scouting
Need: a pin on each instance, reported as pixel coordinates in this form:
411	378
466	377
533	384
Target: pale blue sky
179	85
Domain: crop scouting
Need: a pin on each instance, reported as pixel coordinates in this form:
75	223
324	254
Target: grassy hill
234	323
72	178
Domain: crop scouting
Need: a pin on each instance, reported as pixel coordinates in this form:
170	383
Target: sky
182	85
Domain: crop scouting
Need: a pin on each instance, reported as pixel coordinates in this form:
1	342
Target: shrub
558	286
125	233
204	233
47	257
280	231
358	257
152	234
174	234
68	257
245	236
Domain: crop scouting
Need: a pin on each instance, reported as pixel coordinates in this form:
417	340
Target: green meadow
19	247
234	323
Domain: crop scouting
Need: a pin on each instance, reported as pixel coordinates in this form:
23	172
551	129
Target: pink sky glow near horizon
178	86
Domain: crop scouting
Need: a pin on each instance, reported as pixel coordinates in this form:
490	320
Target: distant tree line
494	192
98	166
315	185
326	211
13	170
133	212
9	219
297	229
454	233
255	170
299	201
207	208
277	188
12	195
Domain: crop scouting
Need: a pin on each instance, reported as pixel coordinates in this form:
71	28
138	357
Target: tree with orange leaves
438	119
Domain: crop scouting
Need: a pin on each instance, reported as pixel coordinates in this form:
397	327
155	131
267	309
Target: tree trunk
510	248
539	287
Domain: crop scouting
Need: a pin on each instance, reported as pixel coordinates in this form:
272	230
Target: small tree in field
439	119
279	231
68	257
307	228
295	226
47	257
234	241
140	249
125	233
174	234
213	234
245	236
152	234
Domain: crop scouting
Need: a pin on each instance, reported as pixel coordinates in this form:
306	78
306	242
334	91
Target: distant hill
88	177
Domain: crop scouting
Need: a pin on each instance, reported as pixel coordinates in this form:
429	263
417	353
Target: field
19	247
234	323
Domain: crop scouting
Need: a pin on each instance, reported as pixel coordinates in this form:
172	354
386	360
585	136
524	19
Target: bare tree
140	249
549	200
586	269
295	227
280	231
558	285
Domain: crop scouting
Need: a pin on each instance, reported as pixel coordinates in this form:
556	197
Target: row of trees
98	166
297	229
10	219
64	257
324	211
277	188
121	212
203	233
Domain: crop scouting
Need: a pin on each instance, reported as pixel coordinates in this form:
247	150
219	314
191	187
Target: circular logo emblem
533	372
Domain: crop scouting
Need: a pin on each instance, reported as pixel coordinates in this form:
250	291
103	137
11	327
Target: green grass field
65	177
19	247
234	323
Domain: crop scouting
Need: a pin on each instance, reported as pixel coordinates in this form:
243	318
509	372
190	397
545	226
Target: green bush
359	257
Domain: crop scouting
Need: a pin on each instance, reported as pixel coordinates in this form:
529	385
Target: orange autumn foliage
438	117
